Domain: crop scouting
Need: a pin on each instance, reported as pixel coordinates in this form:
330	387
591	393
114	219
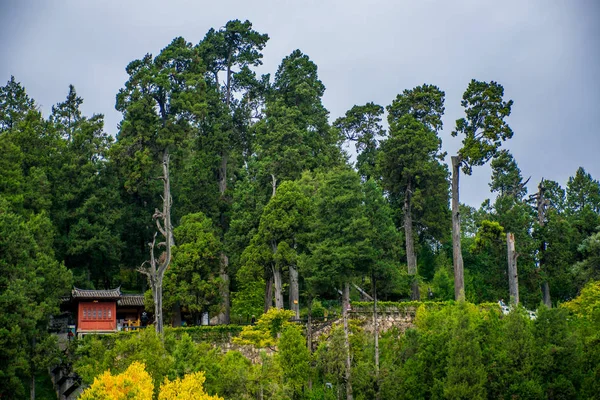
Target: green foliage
294	134
14	104
192	279
267	329
484	126
443	284
490	234
589	268
410	160
453	350
248	301
465	372
506	176
362	124
587	304
208	334
294	360
338	242
32	283
557	352
145	346
331	359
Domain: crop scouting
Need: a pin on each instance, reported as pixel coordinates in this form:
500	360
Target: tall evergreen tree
362	124
86	206
14	104
231	50
32	283
294	135
410	160
161	101
485	130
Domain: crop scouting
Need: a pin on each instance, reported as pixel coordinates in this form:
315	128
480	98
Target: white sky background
545	53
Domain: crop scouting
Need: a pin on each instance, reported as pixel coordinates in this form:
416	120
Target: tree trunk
156	269
167	232
459	278
177	314
273	185
375	336
348	372
224	275
269	294
224	317
223	174
158	315
411	257
541	207
278	283
294	291
309	337
228	99
32	369
309	326
546	294
513	278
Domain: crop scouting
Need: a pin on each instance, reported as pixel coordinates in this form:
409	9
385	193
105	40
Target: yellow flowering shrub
134	383
191	387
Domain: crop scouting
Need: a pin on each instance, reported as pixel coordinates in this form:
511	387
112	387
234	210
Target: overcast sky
545	53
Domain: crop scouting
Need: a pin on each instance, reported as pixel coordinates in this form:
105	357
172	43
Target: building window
97	312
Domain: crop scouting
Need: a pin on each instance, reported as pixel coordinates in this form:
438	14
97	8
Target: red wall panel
97	316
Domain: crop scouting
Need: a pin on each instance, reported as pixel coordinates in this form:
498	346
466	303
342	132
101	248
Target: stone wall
387	317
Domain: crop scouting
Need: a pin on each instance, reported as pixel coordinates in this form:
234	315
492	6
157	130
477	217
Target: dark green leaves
484	126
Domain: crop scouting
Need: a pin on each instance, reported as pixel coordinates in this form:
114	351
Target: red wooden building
104	311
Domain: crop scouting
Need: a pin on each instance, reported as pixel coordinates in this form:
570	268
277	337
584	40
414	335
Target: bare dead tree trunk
513	276
348	372
155	270
376	335
269	294
459	277
365	296
294	291
411	257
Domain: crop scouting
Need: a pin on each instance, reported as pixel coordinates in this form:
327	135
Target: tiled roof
131	300
96	294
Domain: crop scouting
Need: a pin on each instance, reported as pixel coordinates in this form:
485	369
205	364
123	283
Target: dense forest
232	193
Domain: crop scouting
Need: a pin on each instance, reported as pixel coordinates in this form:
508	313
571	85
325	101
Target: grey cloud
546	54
